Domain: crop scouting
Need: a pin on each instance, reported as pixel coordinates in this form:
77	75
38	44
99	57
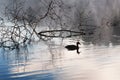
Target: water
51	61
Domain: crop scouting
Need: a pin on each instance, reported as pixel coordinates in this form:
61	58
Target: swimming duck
73	47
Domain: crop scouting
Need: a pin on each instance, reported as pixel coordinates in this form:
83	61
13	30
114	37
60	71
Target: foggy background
98	14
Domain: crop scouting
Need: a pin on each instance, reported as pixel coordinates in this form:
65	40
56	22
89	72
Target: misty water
51	61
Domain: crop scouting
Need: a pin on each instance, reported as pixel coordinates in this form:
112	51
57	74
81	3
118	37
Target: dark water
51	61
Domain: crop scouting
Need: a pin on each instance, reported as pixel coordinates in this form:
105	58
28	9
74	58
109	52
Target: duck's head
78	43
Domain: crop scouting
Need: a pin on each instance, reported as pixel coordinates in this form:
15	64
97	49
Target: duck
73	47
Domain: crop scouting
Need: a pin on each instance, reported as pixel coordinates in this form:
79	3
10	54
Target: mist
101	13
59	39
97	13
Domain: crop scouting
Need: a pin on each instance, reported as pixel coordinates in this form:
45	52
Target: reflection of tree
17	57
55	52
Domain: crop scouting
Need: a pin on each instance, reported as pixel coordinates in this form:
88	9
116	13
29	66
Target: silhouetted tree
26	20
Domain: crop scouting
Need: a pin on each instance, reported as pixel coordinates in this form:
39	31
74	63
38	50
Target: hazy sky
100	7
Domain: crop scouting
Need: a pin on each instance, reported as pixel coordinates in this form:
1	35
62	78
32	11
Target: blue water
51	61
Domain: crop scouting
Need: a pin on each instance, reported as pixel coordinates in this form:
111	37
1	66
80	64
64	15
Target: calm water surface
51	61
